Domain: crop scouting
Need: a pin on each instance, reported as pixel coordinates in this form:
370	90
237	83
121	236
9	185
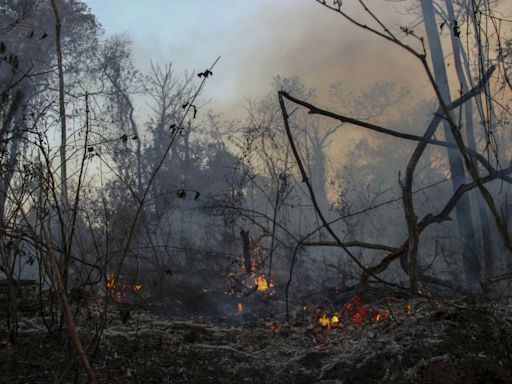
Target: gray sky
257	39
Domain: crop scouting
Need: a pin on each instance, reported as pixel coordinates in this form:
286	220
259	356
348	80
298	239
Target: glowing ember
324	320
358	316
274	327
137	287
327	321
240	308
111	282
354	311
380	315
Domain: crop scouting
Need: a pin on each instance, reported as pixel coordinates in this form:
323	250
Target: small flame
240	308
380	315
408	309
263	283
137	287
329	321
111	282
324	320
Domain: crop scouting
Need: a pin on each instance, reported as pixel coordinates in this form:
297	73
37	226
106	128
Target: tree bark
64	211
463	209
246	250
487	243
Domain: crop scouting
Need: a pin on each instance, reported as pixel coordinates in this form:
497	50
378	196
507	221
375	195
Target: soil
438	342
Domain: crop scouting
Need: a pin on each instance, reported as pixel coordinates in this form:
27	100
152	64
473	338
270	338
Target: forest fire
246	223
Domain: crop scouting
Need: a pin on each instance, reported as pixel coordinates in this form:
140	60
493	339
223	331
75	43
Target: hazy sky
256	39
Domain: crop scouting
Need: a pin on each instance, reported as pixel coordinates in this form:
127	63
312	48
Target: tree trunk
463	209
487	243
64	211
246	250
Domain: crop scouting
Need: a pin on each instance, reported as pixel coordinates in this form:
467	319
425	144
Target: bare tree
415	226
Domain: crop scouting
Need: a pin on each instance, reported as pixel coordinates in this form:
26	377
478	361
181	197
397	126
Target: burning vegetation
164	245
122	291
355	312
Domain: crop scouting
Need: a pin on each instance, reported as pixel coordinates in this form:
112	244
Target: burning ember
111	282
274	327
241	285
263	284
355	312
117	289
328	321
380	315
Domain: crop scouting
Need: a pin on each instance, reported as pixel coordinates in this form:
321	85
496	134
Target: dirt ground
434	342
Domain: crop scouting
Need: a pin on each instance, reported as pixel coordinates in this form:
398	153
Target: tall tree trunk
11	154
64	210
463	209
7	169
487	243
62	106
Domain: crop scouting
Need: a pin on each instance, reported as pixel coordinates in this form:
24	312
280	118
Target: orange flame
380	315
240	308
137	287
328	321
111	281
354	311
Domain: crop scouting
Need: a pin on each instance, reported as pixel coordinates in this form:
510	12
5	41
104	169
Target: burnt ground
438	342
